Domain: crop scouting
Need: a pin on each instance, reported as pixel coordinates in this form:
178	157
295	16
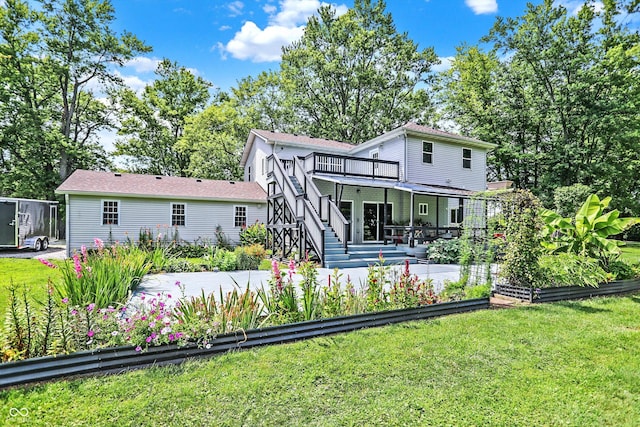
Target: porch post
384	217
412	232
437	216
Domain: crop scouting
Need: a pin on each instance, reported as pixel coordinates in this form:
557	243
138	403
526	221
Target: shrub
567	269
254	234
223	260
104	277
622	270
245	261
222	241
443	251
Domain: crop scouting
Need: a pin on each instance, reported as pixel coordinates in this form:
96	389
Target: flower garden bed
118	359
566	292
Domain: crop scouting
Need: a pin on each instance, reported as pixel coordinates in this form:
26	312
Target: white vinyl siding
447	168
139	213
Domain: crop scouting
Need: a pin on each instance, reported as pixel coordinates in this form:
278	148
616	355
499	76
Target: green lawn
29	272
570	363
631	252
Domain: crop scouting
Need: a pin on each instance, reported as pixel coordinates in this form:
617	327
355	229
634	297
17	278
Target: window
456	216
427	152
374	154
240	217
262	164
110	212
248	173
178	214
423	209
466	158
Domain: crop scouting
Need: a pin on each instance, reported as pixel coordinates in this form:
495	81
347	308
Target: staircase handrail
286	186
331	212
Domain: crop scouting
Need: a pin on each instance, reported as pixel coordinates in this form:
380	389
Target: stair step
365	262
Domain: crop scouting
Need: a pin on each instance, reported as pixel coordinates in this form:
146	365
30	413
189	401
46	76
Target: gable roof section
110	184
294	140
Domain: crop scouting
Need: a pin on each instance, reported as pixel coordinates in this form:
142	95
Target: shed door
8	223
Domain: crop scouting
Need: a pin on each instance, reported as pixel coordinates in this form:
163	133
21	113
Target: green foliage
103	277
567	354
254	234
222	241
223	260
249	257
621	270
352	77
153	123
558	117
567	200
586	234
568	269
311	301
444	251
523	227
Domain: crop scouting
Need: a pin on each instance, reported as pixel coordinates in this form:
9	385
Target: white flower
114	333
165	330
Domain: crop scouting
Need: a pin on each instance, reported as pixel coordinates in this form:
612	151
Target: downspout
404	166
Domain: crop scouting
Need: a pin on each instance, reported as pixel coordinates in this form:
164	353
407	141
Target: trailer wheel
45	244
38	245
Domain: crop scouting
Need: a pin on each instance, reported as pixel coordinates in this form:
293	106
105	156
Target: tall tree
214	139
49	118
354	76
84	48
562	102
153	123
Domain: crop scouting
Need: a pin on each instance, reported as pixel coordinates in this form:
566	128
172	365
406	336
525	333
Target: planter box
567	292
119	359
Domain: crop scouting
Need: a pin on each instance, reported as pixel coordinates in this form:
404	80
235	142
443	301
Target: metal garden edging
568	292
119	359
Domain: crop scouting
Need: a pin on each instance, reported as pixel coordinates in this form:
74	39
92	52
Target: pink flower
77	266
90	333
91	306
74	312
83	249
99	244
148	340
47	263
65	300
138	349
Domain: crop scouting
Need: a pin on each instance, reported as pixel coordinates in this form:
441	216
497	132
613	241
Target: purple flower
90	333
178	283
74	312
65	300
91	306
148	340
138	348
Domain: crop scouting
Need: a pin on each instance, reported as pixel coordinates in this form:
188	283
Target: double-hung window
110	212
427	152
178	214
240	216
466	158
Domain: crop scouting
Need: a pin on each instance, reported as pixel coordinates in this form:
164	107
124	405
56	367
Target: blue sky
224	41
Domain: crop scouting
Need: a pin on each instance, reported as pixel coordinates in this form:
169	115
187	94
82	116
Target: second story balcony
334	164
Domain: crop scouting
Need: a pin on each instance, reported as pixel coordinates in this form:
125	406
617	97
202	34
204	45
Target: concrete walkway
210	282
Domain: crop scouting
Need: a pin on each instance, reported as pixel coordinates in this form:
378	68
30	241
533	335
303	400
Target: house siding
446	169
261	150
202	218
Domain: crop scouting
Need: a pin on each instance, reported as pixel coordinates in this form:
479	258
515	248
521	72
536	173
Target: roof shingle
289	138
132	185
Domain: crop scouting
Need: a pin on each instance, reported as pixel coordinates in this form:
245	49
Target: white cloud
261	45
224	28
235	8
574	6
142	64
285	26
480	7
444	65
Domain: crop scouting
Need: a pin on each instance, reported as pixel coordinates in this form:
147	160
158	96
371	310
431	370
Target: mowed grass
569	363
29	272
631	252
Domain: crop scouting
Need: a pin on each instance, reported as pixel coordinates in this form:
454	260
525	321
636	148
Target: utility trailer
27	223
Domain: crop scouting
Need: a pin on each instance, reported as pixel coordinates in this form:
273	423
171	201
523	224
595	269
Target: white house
345	202
117	206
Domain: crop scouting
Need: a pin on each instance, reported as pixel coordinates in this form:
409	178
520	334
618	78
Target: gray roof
155	186
291	138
